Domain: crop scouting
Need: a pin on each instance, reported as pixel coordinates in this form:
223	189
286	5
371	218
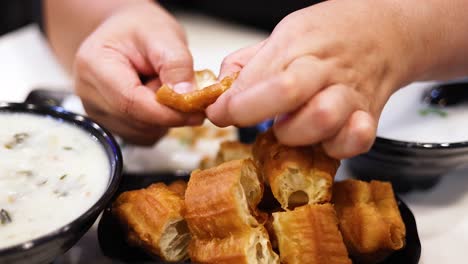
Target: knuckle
364	138
283	28
289	89
83	59
154	54
229	60
177	59
325	115
288	20
176	67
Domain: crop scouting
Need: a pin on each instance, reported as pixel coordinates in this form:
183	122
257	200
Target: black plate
113	245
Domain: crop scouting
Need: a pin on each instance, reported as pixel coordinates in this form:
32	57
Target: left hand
325	74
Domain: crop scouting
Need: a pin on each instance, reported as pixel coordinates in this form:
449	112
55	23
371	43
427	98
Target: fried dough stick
196	101
296	175
369	219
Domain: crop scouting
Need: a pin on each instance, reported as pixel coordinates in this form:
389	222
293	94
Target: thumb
174	66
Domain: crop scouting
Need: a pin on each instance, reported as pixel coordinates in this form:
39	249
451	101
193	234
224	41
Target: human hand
325	74
138	40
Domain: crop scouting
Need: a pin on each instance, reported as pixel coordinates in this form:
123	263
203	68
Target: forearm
68	22
436	33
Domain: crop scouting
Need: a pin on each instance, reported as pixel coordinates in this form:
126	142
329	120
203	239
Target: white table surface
26	62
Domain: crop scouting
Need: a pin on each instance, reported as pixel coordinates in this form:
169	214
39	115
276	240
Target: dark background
263	14
16	13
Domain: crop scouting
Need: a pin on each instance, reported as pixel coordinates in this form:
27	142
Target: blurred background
17	13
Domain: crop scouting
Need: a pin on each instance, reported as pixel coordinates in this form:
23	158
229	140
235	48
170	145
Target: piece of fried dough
369	218
233	150
152	219
296	175
195	101
179	187
204	78
220	201
228	150
249	247
309	234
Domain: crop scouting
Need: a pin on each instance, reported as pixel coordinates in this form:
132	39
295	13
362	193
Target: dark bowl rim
419	145
89	126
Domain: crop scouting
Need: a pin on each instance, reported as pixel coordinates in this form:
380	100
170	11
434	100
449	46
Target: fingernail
183	87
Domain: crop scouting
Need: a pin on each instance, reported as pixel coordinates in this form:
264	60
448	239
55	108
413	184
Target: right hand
138	40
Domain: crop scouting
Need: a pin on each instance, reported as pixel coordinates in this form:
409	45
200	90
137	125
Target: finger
276	95
258	69
238	59
129	131
171	60
320	118
356	137
118	83
96	112
91	98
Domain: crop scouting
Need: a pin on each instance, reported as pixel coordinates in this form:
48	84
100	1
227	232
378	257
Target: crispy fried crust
196	101
310	234
233	150
222	216
250	247
152	218
219	201
178	187
296	175
204	78
271	232
369	218
228	150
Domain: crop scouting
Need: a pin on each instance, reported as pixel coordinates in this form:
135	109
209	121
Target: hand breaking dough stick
198	100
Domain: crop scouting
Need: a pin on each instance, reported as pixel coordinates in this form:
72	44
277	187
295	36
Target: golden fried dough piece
233	150
369	218
296	175
309	234
178	187
219	201
250	247
195	101
228	150
152	218
205	78
271	232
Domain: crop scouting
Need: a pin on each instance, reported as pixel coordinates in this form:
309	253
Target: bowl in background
46	248
409	165
418	138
